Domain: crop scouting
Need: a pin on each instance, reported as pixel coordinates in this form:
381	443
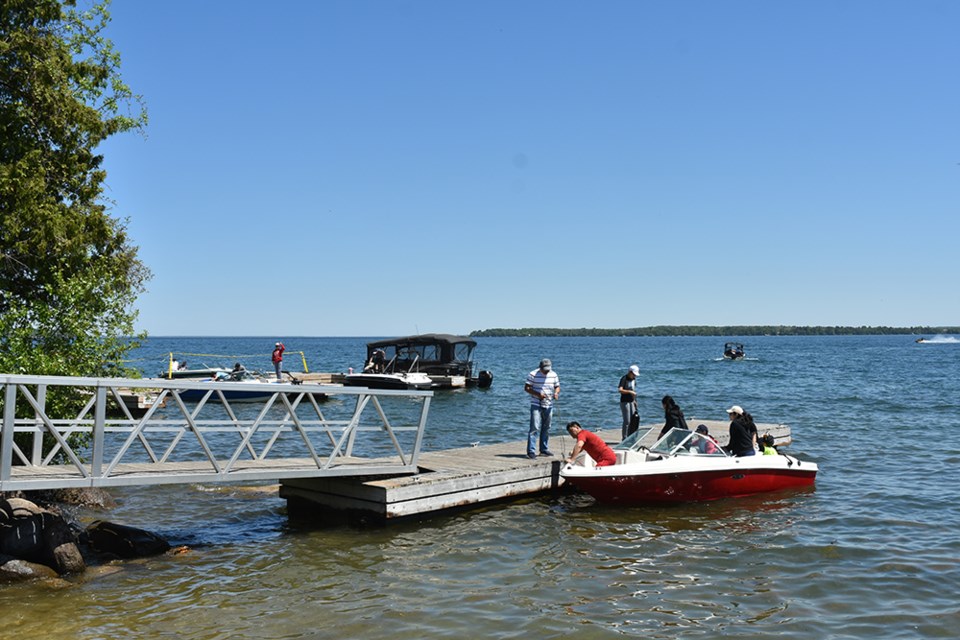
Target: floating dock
461	478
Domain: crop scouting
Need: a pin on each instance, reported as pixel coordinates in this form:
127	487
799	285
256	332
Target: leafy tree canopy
69	275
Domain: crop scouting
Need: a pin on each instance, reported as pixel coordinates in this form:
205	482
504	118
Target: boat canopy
434	353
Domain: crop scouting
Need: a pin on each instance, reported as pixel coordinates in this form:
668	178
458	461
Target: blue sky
370	167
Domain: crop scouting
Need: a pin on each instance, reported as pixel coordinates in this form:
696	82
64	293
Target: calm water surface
873	551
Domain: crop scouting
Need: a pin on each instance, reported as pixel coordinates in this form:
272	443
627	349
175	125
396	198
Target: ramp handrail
210	437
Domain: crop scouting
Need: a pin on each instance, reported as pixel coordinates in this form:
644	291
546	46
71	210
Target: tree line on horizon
706	330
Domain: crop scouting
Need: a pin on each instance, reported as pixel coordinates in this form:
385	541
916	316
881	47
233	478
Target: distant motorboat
938	340
733	351
187	374
238	385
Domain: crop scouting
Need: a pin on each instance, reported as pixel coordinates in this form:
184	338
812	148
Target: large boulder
15	570
61	543
34	534
21	530
123	541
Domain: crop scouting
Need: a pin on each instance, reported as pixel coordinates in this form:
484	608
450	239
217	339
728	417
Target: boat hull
388	381
188	374
647	486
195	395
251	391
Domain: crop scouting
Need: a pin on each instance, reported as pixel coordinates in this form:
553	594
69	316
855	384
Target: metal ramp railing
158	431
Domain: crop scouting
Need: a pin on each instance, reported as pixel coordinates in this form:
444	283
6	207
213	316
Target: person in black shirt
672	416
742	441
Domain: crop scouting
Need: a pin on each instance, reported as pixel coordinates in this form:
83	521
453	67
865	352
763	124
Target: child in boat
767	443
704	442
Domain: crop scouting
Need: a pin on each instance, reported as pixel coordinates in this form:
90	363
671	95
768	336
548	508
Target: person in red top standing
593	444
278	357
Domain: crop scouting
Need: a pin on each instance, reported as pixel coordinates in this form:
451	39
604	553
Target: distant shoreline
696	330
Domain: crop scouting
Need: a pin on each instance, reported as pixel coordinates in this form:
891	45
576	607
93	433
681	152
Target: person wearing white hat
277	357
741	440
543	387
628	400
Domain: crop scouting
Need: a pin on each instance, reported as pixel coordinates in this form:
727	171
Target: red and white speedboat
684	466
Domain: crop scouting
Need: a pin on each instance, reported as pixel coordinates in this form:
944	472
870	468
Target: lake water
873	551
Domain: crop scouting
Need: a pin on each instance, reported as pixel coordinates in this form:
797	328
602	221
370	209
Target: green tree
69	275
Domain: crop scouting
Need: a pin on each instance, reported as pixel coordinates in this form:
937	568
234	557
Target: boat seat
625	456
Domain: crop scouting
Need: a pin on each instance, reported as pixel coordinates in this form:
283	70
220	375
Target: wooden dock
460	478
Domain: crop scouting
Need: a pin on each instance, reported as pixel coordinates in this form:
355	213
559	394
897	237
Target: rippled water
872	551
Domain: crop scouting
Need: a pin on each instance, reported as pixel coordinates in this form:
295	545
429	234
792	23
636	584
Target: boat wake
939	340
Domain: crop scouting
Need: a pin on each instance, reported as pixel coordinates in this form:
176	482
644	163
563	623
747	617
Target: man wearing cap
278	357
543	386
628	398
741	440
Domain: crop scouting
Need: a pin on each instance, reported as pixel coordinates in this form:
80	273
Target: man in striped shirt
543	386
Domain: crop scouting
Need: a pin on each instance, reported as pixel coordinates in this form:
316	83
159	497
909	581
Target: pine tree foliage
69	275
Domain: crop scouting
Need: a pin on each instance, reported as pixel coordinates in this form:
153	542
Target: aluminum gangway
200	431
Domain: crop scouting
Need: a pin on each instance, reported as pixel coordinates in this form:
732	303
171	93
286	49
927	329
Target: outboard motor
484	379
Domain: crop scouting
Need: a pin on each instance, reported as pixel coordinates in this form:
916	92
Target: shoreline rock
37	542
38	535
123	541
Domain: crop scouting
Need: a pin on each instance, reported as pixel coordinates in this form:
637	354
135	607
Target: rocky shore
38	542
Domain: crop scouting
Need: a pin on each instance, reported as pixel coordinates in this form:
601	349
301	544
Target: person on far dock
543	386
628	400
278	357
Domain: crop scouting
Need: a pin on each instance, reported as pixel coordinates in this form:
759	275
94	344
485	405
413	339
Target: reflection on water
871	551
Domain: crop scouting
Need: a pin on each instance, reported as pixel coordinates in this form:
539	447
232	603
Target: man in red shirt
277	357
593	444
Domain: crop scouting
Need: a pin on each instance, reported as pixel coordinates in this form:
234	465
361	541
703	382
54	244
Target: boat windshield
632	441
681	442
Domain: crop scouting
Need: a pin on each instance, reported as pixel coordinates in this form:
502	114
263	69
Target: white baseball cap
735	409
634	369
